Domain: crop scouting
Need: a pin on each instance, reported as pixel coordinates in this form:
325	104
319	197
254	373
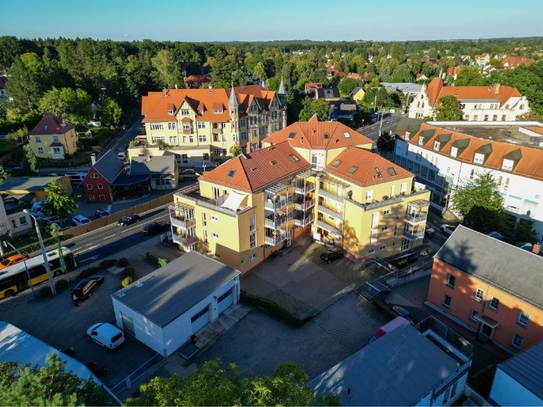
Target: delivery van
388	327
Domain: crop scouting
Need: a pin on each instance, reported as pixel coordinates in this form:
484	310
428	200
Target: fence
114	217
155	363
326	303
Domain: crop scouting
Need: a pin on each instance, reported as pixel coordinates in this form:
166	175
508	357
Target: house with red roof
477	103
313	178
52	138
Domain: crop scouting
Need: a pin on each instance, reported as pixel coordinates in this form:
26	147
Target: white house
402	368
446	154
478	103
165	308
519	380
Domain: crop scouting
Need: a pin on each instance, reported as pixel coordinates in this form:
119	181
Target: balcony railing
277	221
329	228
182	223
413	235
416	217
183	240
330	195
305	205
329	212
304	189
275	240
275	205
304	221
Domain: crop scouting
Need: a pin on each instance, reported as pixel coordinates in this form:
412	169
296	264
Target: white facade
506	391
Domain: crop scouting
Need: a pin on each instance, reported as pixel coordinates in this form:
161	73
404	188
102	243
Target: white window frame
477	296
444	301
516	341
495	301
449	278
523	319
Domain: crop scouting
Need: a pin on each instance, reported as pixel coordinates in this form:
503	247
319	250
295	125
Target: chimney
535	248
93	159
496	88
248	148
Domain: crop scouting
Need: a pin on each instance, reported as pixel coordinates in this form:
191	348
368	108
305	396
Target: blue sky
257	20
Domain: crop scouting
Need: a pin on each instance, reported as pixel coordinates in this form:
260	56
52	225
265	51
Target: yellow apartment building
200	126
53	138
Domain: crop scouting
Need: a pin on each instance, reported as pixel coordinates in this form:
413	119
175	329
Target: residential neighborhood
357	220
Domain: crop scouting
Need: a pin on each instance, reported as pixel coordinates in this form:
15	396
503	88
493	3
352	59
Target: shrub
89	271
45	292
61	284
162	262
154	259
122	262
108	263
127	281
129	272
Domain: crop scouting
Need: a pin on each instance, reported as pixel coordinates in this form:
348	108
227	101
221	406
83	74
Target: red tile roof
512	61
154	106
257	170
364	168
436	91
51	124
314	134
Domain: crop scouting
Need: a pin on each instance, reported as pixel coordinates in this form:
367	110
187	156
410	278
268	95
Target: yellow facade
47	145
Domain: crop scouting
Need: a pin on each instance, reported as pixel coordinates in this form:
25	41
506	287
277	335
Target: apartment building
316	181
477	103
52	138
490	287
200	126
443	155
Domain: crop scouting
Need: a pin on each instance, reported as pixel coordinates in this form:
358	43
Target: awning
130	180
233	201
485	319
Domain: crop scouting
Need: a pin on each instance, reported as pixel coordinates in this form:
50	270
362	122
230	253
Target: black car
153	228
128	219
402	312
331	254
100	213
87	286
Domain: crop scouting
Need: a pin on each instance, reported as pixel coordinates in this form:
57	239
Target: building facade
490	287
477	103
445	155
97	185
201	126
53	138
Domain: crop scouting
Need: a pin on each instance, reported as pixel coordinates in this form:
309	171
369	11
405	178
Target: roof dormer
482	154
510	160
458	147
441	141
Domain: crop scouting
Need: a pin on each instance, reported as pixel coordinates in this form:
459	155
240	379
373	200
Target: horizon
235	21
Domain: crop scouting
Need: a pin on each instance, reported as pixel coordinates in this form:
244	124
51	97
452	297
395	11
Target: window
194	318
214	234
56	150
201	125
252	221
253	257
23	220
503	118
94	175
100	186
447	300
479	158
472	314
369	195
40	150
14	223
386	212
154	139
507	165
185	158
186	126
185	112
522	317
55	139
157	126
252	242
102	197
384	228
38	139
213	218
91	198
173	140
516	341
436	145
383	248
171	126
479	295
521	107
494	304
202	138
371	251
89	186
450	280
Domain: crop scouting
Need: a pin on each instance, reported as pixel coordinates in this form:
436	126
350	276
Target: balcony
301	222
415	218
396	199
303	189
181	223
277	203
413	235
329	195
329	228
183	240
216	130
330	212
181	216
305	205
275	240
278	221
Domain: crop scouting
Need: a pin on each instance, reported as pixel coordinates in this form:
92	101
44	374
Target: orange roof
529	165
436	91
154	106
512	61
51	124
257	170
364	168
314	134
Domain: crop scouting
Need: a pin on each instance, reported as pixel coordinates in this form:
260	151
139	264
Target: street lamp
24	261
45	261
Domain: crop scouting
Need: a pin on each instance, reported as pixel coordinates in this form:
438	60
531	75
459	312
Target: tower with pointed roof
282	95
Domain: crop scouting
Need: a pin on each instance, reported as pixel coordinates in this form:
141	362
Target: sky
257	20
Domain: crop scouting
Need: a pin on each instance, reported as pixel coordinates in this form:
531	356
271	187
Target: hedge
273	307
154	259
127	281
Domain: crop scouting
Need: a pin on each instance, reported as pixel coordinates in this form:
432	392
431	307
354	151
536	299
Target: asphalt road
390	122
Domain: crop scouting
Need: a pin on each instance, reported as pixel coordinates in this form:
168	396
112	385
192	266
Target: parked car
128	219
152	228
80	220
447	229
121	156
13	259
85	287
402	312
331	254
430	231
106	335
100	213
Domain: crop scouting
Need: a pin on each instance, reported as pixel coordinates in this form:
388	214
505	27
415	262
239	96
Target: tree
468	76
346	85
71	105
3	173
402	74
260	72
524	232
214	385
58	202
235	150
30	161
385	143
479	202
49	385
168	69
448	109
110	112
313	106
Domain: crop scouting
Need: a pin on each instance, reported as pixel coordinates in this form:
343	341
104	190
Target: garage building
165	308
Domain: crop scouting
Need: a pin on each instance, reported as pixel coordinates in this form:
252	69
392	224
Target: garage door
199	320
225	300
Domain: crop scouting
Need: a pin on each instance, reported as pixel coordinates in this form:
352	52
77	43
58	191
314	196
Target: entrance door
128	323
486	331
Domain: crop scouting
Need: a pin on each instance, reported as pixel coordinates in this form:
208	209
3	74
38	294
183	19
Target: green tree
448	109
18	135
71	105
167	68
385	143
223	67
525	232
346	85
59	204
3	173
30	161
110	112
313	106
49	385
214	385
402	74
260	72
479	202
235	150
468	76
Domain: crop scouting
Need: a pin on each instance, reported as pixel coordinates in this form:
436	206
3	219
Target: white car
106	335
80	220
447	229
